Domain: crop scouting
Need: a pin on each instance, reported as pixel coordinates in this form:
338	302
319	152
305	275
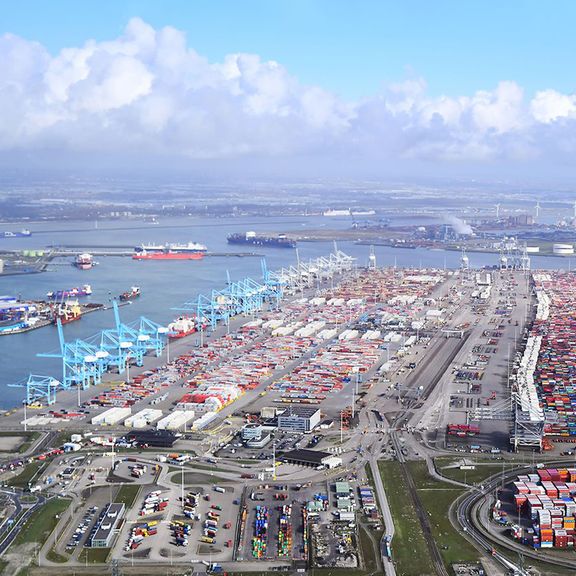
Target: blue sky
350	47
370	86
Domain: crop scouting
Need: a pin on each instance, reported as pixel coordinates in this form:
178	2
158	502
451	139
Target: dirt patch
207	549
18	557
11	443
138	554
166	553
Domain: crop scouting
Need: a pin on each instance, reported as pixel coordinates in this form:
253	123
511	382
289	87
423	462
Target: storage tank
563	249
532	249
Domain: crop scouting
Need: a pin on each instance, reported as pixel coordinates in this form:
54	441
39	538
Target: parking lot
164	543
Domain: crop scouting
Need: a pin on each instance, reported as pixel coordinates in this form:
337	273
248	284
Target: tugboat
134	292
24	233
84	261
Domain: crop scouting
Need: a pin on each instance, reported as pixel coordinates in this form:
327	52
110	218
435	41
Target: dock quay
124	251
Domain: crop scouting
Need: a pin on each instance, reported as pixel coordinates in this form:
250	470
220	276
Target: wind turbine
537	209
497	211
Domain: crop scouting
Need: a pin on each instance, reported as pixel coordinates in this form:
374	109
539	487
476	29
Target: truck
219	489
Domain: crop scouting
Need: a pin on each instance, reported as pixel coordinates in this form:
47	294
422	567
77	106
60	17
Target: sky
376	86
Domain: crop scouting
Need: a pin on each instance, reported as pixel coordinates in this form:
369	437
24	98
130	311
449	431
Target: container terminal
260	441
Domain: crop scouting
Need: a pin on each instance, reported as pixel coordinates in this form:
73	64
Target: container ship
84	261
67	312
24	233
190	251
279	241
131	294
86	290
181	327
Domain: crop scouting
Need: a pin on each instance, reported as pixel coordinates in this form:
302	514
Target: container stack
555	369
548	499
285	532
260	532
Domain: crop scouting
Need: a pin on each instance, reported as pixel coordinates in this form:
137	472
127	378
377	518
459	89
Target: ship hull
264	241
178	335
169	256
15	235
66	319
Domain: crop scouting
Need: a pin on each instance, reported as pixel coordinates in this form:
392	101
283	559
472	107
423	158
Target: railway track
439	567
468	518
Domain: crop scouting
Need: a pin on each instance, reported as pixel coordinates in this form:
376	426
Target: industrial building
312	458
158	438
251	432
106	527
342	489
299	419
259	442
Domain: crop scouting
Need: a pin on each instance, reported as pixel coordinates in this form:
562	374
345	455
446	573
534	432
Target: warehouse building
299	419
157	438
107	526
313	458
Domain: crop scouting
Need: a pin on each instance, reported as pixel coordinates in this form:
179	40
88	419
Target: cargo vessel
24	233
279	241
181	327
67	312
134	292
84	261
75	292
332	213
189	251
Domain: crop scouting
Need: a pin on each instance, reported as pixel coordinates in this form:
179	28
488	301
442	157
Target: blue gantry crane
81	361
85	361
41	389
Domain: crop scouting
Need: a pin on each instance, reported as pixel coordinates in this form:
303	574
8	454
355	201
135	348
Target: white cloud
549	105
148	90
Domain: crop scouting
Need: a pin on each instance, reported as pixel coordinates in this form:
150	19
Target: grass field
371	563
127	494
29	438
53	556
195	467
94	555
437	497
28	474
409	548
191	477
328	572
484	469
40	525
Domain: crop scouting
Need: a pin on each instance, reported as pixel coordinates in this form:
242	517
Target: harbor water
167	285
